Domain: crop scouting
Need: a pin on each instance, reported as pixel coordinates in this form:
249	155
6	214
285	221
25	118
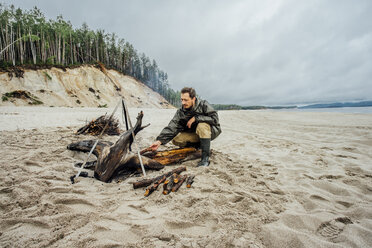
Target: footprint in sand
23	228
78	205
59	190
332	229
331	176
345	156
31	163
345	204
236	199
349	149
193	229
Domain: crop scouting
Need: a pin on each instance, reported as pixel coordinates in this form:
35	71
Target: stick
154	187
179	184
189	181
177	178
134	140
165	187
125	115
169	184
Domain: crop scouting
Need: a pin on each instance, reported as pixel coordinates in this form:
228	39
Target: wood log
154	187
176	178
182	154
116	157
147	182
169	183
189	181
148	149
179	184
90	165
86	146
165	187
173	156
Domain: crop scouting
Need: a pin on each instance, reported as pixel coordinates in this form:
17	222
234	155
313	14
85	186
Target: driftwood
113	158
86	146
165	187
147	182
154	187
189	181
152	161
173	156
117	156
176	178
179	183
172	184
96	126
169	184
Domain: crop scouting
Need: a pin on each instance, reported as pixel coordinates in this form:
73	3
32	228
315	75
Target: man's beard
184	106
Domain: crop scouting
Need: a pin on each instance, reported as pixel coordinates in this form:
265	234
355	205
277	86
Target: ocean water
356	110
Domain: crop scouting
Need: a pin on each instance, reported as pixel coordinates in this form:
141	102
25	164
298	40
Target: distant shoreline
346	110
311	106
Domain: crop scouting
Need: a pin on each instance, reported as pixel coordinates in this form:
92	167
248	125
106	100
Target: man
194	124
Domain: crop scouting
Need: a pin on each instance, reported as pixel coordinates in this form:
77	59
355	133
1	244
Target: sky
246	52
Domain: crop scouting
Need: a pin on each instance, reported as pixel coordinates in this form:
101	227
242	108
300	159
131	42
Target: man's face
187	101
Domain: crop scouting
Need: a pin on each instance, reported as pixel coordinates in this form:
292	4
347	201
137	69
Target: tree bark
174	156
189	181
179	184
154	187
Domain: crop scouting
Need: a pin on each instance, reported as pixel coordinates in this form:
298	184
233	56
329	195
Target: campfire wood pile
113	159
172	184
96	126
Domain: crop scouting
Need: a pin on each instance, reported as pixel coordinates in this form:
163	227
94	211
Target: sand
83	86
276	179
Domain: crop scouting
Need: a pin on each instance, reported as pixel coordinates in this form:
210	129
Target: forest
27	38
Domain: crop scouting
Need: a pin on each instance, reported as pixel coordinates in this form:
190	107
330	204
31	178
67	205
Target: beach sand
276	179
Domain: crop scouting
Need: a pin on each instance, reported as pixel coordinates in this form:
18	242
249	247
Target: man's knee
183	139
203	130
178	143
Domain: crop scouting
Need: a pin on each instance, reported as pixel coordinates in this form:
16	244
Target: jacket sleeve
209	116
170	131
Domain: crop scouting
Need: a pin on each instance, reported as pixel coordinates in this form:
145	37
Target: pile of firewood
172	184
96	126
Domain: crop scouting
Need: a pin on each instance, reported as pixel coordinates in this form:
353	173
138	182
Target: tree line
26	37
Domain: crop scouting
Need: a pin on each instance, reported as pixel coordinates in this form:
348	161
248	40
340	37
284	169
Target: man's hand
190	122
155	145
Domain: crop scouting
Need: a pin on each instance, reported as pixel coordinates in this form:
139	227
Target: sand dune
84	86
277	179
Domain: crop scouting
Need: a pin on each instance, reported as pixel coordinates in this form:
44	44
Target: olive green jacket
202	111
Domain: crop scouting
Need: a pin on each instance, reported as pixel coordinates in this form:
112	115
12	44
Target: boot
192	144
205	145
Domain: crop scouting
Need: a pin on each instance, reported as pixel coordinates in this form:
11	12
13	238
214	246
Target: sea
356	110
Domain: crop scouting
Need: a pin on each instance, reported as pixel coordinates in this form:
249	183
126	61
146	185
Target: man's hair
189	90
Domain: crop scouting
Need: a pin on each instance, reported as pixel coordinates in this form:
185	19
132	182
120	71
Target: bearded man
195	124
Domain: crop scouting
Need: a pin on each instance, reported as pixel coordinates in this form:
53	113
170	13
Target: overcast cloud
244	52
